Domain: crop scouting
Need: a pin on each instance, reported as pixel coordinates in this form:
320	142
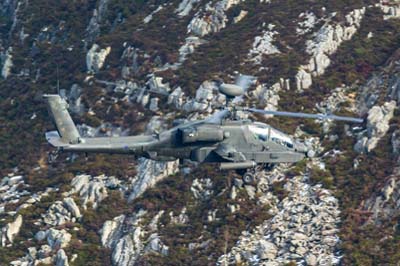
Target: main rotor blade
217	117
305	115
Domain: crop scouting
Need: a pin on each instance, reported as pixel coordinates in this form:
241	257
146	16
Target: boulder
44	252
40	235
266	250
242	14
58	238
202	188
71	206
311	259
61	258
176	98
377	126
96	57
154	104
155	245
185	7
10	231
303	80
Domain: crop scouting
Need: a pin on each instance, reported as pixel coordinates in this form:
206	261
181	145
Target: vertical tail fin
65	126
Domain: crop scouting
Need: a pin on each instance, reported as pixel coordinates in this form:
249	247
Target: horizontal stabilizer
54	139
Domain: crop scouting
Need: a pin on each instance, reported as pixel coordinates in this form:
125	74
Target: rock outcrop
214	18
304	226
390	10
91	189
98	17
377	126
185	7
61	258
386	203
61	212
127	238
96	57
6	63
264	45
10	231
12	188
202	188
308	20
149	173
325	42
58	238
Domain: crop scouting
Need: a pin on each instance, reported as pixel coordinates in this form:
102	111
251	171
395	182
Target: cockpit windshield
264	132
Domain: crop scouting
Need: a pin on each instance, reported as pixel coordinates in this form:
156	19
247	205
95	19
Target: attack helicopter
224	138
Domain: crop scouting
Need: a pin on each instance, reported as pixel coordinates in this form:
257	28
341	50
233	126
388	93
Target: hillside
130	67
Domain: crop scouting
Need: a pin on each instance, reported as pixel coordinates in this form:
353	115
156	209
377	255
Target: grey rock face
154	104
202	188
326	41
377	126
96	57
390	10
386	203
266	250
125	236
12	188
264	45
307	23
10	231
61	212
207	98
6	63
214	21
149	173
71	206
112	231
61	258
156	84
304	225
185	7
155	245
58	238
93	29
90	189
176	98
130	58
74	99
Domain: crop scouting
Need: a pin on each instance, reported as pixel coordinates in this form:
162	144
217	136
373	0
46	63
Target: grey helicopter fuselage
236	144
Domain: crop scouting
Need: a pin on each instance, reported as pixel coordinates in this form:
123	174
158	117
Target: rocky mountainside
129	67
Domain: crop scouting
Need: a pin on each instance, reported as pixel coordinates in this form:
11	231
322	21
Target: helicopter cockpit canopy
264	132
